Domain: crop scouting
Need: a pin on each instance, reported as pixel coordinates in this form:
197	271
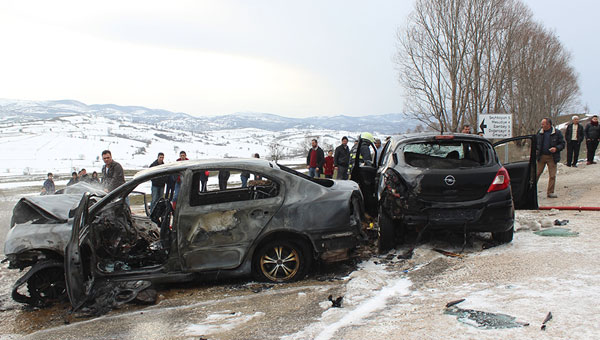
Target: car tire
48	286
504	236
281	261
386	237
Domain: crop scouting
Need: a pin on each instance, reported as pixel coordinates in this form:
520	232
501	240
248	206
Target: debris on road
562	232
559	222
448	253
481	319
546	319
337	303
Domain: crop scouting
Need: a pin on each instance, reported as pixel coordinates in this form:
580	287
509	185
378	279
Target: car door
79	274
365	174
216	228
518	156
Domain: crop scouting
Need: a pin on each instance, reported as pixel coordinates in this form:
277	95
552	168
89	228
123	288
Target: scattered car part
560	232
337	302
546	319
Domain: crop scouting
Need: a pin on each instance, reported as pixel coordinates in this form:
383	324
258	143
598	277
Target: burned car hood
44	209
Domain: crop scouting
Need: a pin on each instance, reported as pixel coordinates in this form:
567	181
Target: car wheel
504	236
386	239
280	261
47	286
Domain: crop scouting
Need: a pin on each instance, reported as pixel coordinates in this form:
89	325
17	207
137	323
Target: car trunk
456	170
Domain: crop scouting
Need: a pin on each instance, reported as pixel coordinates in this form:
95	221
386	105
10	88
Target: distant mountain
15	111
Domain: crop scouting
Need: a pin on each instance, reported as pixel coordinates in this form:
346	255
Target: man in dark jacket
550	143
112	172
158	184
74	179
315	160
49	188
592	135
573	137
341	159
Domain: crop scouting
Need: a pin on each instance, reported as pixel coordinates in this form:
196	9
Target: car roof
429	135
242	163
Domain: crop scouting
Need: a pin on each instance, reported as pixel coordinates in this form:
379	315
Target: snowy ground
384	297
65	144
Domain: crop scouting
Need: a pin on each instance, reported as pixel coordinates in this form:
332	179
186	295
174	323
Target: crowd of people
550	142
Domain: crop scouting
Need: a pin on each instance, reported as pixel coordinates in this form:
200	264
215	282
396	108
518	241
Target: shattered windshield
443	154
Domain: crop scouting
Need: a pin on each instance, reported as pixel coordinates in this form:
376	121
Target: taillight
501	181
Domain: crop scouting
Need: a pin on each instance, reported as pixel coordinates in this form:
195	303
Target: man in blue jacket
550	143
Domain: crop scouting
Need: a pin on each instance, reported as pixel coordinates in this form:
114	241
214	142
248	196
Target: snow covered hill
71	142
17	111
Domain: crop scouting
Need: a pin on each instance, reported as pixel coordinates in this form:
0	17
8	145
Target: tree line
459	58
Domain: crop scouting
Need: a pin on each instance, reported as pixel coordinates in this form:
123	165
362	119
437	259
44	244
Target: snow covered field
65	144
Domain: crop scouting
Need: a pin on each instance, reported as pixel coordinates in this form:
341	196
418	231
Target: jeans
312	172
572	152
157	193
591	149
244	181
176	191
342	172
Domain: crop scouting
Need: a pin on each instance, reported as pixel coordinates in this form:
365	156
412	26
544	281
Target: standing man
466	129
49	188
112	172
315	159
74	179
158	184
341	159
550	143
592	135
573	136
83	176
379	149
182	157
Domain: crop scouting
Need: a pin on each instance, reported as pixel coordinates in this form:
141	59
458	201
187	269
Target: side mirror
395	158
72	212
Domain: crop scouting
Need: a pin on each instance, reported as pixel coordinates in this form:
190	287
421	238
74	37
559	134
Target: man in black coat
592	135
158	184
341	159
550	142
112	172
315	160
573	137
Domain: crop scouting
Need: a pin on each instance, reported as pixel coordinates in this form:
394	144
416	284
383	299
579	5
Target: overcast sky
299	58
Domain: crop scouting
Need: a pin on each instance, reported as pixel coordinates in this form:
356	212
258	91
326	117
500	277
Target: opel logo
450	180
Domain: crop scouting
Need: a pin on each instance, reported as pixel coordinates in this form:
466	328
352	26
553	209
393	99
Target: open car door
518	157
364	172
78	254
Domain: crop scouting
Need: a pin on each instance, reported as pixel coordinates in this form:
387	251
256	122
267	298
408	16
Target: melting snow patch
369	289
224	321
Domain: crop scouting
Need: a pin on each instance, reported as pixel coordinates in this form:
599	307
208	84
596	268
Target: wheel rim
47	285
280	263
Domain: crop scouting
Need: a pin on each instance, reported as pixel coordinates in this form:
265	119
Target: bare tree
460	58
275	151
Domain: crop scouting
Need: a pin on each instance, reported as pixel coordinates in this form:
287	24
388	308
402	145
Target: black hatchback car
455	182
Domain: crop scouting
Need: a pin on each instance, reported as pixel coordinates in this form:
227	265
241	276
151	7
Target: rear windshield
444	154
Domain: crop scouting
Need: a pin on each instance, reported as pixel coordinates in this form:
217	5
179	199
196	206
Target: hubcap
280	263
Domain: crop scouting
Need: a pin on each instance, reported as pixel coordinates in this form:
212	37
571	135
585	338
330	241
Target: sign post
496	126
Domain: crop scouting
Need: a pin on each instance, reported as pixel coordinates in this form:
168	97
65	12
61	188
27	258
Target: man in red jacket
315	160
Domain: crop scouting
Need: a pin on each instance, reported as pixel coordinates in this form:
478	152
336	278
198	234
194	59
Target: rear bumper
492	213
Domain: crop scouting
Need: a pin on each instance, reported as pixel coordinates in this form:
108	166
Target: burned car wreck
453	182
40	228
273	229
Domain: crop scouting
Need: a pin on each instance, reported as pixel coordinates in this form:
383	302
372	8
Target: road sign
495	125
